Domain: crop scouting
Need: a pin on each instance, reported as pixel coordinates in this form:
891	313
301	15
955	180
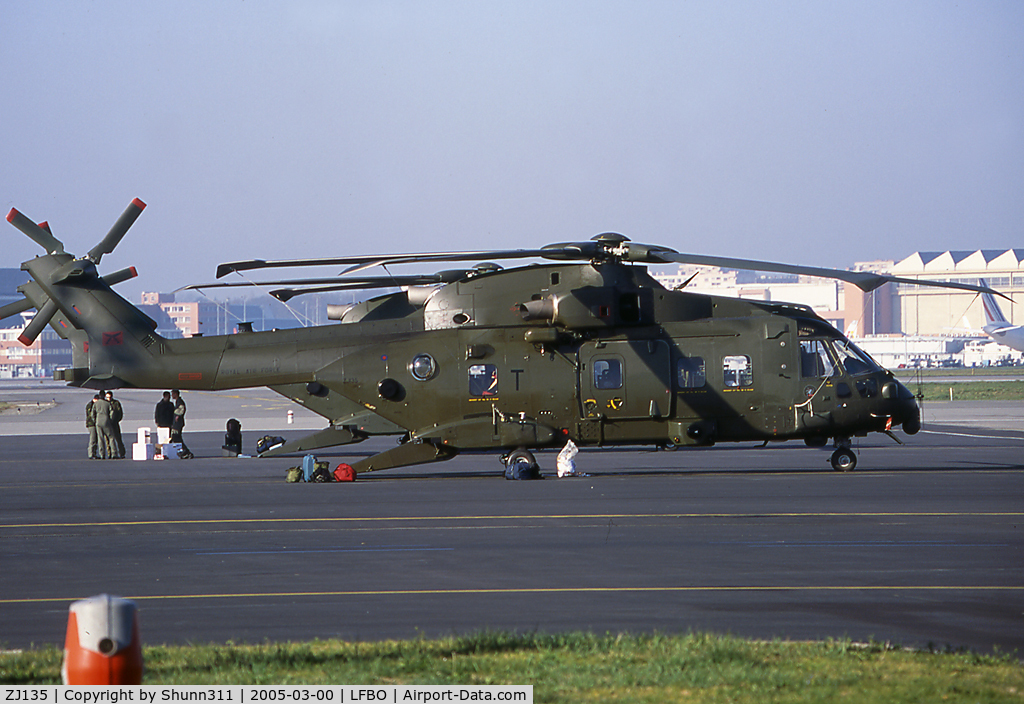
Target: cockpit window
854	359
483	380
815	360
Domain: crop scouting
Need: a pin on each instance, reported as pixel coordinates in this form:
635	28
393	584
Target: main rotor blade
866	281
384	260
285	294
365	261
349	283
117	232
37	234
227	268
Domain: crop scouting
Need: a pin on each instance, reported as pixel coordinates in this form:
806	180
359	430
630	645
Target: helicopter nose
906	412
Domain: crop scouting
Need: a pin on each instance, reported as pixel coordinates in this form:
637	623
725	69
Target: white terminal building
899	325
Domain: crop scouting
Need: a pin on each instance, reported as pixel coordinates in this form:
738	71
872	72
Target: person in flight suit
178	423
90	425
104	427
116	415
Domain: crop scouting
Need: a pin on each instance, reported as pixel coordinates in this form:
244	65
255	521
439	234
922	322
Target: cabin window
607	374
483	380
690	373
815	360
737	371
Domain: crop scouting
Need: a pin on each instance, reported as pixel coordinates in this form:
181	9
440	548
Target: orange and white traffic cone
102	645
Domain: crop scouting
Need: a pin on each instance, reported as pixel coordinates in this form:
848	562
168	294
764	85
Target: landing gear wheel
843	460
521	464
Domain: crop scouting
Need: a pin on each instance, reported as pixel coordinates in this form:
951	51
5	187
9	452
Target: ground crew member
164	414
178	423
90	424
104	427
116	415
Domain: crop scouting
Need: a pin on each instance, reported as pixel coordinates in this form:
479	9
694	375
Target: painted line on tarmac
559	517
544	590
360	549
970	435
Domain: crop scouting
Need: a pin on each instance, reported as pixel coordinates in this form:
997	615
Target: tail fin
994	318
107	333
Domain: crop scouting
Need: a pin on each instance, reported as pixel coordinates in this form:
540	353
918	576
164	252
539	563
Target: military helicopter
587	347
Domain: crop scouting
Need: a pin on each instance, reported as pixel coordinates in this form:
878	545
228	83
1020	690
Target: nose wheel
843	459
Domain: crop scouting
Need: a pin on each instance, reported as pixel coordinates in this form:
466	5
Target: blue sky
808	132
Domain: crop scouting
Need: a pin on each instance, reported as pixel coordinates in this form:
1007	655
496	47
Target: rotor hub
610	238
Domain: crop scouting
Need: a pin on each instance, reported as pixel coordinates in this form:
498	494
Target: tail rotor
65	270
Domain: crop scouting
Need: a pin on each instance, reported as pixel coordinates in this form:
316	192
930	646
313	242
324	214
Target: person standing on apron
164	415
116	415
90	425
179	423
104	427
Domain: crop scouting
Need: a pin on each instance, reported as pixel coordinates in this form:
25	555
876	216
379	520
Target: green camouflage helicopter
588	348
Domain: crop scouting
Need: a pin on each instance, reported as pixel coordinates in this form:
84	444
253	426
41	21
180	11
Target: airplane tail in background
104	329
994	318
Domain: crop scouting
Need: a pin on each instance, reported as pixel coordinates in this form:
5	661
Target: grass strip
905	375
582	667
972	391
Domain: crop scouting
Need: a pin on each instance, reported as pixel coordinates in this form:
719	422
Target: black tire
844	460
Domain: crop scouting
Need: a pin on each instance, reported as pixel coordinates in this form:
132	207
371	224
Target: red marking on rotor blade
134	273
46	226
25	340
139	204
13	214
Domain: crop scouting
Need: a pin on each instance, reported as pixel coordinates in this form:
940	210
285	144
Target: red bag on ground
344	473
